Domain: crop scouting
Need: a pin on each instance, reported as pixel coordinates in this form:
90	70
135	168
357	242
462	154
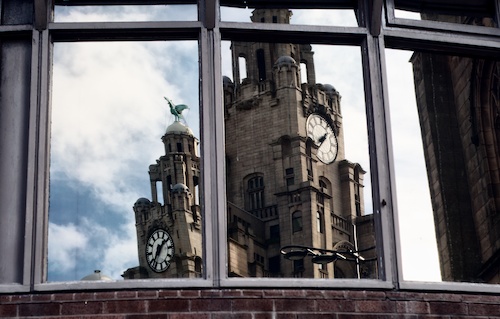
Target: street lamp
325	256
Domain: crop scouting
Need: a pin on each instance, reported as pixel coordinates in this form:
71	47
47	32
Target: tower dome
330	90
96	275
180	188
285	60
178	127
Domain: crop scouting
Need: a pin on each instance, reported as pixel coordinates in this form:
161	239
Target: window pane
72	13
123	172
277	123
478	12
446	142
338	17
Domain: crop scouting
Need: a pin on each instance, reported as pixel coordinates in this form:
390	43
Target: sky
108	116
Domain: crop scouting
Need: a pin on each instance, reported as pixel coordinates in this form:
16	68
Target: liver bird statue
176	110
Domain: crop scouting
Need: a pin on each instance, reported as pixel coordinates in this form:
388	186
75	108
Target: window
296	221
89	159
255	191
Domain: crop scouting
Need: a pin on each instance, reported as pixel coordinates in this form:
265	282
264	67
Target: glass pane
124	170
297	162
479	12
447	145
63	13
338	17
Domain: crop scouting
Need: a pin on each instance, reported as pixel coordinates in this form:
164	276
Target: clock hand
158	250
322	139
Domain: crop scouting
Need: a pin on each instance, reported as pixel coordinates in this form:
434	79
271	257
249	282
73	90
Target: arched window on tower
261	64
297	221
242	64
255	191
303	72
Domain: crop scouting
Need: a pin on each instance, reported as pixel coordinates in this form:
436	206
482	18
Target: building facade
169	237
288	181
461	132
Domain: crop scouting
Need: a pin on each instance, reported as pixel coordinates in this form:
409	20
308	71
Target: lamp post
325	256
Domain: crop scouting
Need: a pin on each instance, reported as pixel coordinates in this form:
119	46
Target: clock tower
168	226
288	181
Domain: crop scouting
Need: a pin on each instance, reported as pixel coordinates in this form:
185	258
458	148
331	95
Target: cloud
125	13
66	242
108	116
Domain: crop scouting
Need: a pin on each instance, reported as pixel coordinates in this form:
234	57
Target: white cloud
108	116
66	242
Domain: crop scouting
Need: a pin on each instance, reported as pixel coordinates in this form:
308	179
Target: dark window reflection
457	100
478	12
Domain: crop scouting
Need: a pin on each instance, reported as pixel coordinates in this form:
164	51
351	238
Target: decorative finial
176	110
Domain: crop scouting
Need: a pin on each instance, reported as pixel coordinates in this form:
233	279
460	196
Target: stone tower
168	227
288	182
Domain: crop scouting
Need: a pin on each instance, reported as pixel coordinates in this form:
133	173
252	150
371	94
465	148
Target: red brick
84	296
298	305
203	305
263	316
147	294
83	308
316	294
189	293
494	299
375	306
105	295
41	297
403	295
126	294
484	310
5	299
335	306
447	308
20	298
125	306
189	316
168	293
8	310
412	307
39	309
63	296
231	316
252	293
168	305
273	293
334	294
294	293
254	305
223	293
219	293
286	316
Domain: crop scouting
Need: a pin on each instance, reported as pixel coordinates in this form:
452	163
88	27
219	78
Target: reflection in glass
457	100
85	13
296	160
338	17
123	169
471	12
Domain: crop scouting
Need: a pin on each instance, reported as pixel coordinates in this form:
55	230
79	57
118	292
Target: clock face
159	250
323	136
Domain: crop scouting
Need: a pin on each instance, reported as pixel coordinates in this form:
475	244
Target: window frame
372	39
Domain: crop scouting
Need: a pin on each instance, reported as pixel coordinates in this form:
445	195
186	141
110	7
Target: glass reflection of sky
108	116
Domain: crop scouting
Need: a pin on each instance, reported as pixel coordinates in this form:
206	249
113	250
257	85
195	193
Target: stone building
288	181
169	238
458	100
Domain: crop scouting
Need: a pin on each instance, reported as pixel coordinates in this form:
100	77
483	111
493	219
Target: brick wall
254	304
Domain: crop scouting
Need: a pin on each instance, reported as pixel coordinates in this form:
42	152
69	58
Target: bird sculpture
176	110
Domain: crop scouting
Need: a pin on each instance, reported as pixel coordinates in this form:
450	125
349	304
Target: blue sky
108	116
